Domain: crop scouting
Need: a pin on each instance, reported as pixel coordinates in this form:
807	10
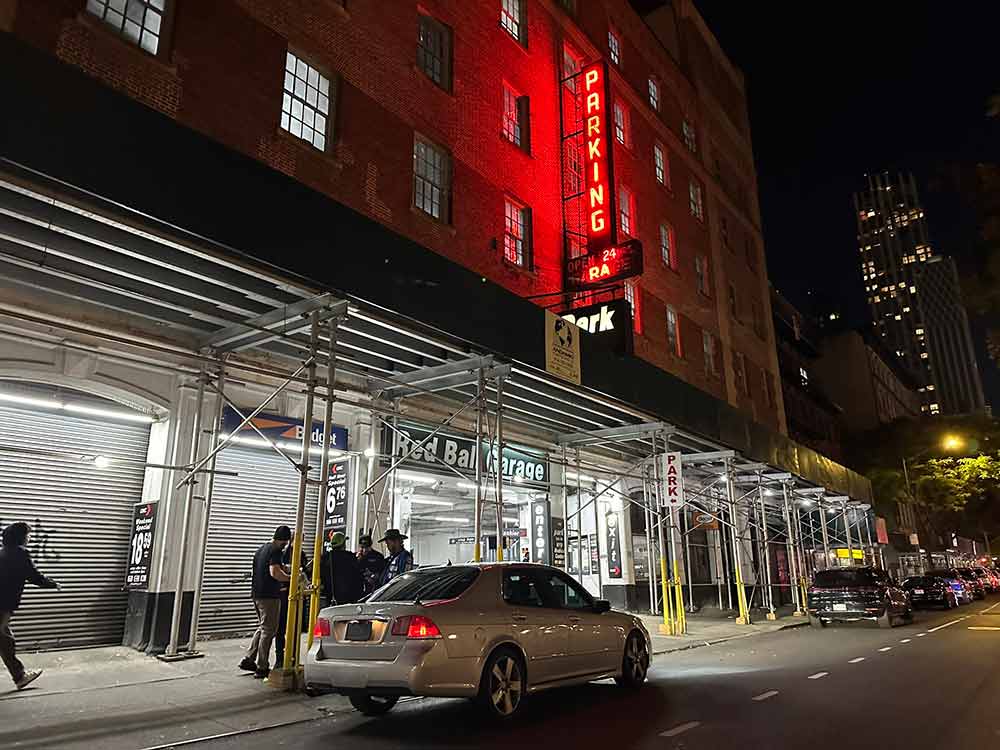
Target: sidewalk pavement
116	698
717	627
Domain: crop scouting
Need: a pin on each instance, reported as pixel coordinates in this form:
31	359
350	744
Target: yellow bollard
667	628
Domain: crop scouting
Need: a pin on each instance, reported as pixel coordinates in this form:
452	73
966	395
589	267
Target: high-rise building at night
914	296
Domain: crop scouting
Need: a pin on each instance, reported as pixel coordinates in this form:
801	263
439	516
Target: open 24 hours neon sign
605	262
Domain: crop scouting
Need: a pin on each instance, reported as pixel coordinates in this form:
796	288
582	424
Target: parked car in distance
990	582
496	632
931	591
972	578
994	577
850	594
965	591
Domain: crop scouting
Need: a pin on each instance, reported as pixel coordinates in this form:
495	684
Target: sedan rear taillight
322	628
415	627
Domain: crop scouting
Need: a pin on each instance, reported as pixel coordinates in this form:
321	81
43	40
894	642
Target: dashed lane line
947	624
765	696
886	648
974	627
905	640
921	635
680	729
990	608
856	660
817	676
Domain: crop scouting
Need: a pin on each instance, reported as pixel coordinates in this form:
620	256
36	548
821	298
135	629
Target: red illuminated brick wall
220	71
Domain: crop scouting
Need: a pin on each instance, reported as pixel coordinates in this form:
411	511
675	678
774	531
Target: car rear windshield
921	581
427	585
836	579
943	573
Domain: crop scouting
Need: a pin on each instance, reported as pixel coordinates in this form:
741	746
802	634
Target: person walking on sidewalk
268	575
371	562
399	561
16	569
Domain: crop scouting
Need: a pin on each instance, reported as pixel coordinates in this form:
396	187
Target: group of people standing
345	577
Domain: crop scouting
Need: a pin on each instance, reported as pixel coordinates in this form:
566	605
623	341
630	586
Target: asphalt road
932	684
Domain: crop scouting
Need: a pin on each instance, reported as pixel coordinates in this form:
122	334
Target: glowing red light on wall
599	200
605	266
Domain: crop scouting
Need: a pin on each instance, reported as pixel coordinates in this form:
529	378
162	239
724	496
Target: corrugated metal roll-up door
245	511
80	516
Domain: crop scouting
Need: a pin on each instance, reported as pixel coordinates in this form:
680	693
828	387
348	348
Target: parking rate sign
673	479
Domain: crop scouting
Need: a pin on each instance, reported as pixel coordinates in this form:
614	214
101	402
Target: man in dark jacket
371	562
306	568
16	568
339	572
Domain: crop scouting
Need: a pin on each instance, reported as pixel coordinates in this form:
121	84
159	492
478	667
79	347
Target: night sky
865	87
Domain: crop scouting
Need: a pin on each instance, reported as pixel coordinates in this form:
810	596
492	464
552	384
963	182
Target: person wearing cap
371	563
399	561
268	576
340	573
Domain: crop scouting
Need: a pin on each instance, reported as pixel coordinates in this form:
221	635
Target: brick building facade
440	119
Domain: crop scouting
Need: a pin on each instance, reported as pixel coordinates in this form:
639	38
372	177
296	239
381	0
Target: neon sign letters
600	212
605	266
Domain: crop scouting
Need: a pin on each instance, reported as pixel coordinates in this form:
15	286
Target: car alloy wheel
505	684
635	662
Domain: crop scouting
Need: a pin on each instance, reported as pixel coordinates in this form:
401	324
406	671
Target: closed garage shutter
80	516
245	511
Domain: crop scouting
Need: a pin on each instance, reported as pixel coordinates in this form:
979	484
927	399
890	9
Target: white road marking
989	608
817	676
857	660
971	627
680	729
905	640
947	624
921	635
887	648
765	696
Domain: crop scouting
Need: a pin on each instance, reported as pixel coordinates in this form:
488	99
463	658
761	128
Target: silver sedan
494	632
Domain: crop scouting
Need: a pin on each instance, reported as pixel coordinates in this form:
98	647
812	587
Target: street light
952	443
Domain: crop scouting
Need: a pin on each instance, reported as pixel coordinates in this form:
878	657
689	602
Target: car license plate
359	630
839	607
918	591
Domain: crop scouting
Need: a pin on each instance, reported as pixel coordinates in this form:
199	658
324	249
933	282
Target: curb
701	644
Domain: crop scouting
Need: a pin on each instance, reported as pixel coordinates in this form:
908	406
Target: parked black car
857	594
928	591
978	584
959	583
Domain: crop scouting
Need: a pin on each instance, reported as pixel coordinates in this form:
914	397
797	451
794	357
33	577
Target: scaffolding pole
478	523
206	514
737	558
178	605
768	590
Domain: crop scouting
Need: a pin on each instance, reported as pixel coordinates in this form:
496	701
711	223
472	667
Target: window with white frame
516	233
667	250
653	87
696	201
572	62
305	104
614	47
660	165
673	332
431	178
708	349
139	21
434	50
621	124
626	211
690	137
515	117
634	300
512	19
701	273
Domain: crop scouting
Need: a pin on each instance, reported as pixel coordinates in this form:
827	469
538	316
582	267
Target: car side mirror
601	606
